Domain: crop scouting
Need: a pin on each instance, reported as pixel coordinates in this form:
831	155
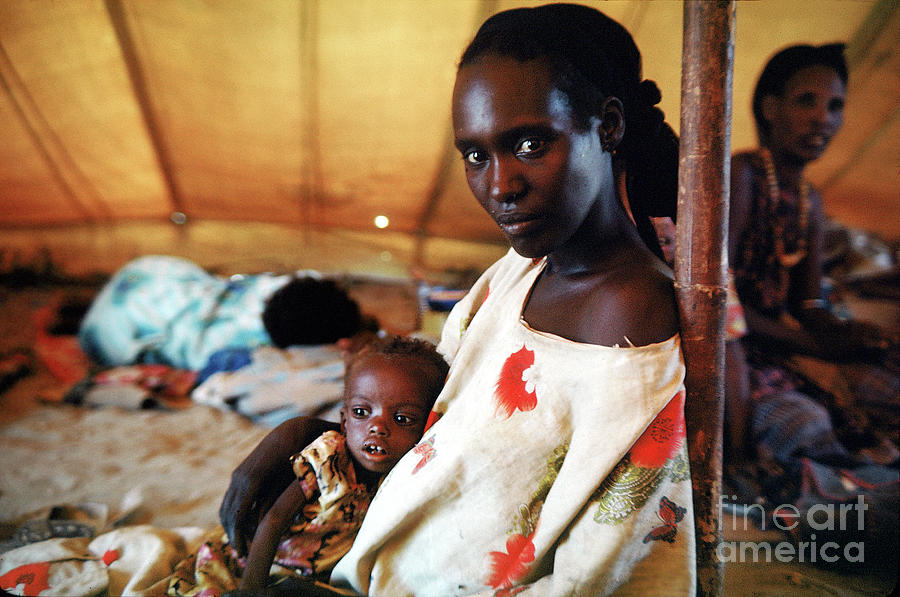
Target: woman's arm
836	339
263	475
268	534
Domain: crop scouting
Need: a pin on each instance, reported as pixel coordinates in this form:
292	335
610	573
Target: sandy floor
177	463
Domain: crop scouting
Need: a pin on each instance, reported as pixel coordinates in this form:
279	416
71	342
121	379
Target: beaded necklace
787	260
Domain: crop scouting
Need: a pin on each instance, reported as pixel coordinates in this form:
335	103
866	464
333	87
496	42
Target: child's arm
258	481
268	534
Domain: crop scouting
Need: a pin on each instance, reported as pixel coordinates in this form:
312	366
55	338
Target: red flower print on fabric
426	450
32	577
663	437
513	391
110	556
671	514
510	566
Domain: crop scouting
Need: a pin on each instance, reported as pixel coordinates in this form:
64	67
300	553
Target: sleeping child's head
310	310
389	389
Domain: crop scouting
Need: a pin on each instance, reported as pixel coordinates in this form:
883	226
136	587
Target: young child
390	387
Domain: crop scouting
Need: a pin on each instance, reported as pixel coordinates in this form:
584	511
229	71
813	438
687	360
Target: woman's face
384	411
809	113
530	166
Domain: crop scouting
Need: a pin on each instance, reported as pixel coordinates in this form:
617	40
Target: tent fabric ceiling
325	113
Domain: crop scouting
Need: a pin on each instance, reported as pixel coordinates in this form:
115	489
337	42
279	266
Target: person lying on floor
167	310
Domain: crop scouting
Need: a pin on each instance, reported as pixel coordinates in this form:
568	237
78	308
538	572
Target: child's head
665	230
389	389
309	310
591	58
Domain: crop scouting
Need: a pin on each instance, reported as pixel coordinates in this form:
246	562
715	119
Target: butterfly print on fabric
513	390
426	450
671	514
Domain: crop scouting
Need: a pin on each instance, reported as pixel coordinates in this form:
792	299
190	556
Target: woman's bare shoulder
635	307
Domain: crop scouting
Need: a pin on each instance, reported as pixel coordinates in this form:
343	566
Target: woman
777	230
556	462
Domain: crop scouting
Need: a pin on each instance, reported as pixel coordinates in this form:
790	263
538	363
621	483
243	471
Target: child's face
384	411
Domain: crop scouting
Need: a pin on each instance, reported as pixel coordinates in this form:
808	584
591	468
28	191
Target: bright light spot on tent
178	218
386	256
381	221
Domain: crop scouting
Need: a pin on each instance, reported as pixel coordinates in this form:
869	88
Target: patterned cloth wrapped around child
320	535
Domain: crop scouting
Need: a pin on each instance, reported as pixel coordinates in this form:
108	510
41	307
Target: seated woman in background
167	310
803	385
556	463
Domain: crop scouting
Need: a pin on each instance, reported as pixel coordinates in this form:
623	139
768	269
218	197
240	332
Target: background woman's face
807	115
527	162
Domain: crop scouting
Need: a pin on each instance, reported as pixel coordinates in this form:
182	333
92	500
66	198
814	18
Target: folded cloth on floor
135	387
136	560
278	384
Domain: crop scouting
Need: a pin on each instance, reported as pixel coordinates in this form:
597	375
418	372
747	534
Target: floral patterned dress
553	467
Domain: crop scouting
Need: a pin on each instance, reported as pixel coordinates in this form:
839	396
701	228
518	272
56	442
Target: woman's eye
474	157
530	145
836	105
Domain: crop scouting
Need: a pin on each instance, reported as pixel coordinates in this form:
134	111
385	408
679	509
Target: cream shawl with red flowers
554	467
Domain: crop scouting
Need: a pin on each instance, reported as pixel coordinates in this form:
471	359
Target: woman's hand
852	340
868	342
263	476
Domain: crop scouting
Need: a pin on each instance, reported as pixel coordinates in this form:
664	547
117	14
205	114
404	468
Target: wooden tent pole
700	260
